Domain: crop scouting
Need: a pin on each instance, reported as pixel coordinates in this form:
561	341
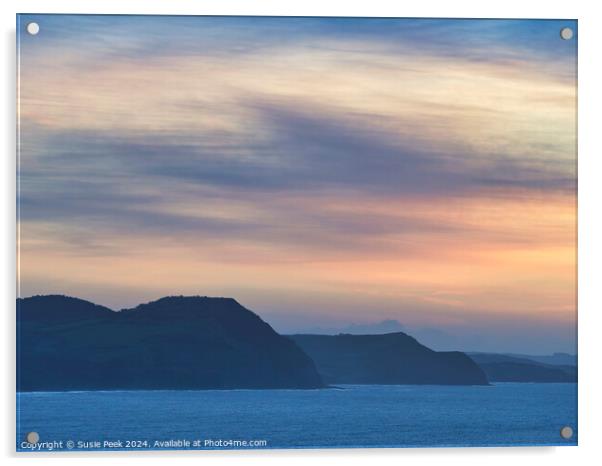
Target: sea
348	416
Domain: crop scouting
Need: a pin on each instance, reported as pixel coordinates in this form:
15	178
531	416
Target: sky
324	172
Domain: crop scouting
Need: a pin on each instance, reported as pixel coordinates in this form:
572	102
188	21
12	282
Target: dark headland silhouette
522	368
66	343
392	358
173	343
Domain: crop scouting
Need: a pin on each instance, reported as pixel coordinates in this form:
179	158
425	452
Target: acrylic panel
281	232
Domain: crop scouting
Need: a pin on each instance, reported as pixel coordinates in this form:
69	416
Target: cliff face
392	358
173	343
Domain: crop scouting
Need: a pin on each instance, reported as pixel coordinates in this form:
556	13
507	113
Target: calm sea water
355	416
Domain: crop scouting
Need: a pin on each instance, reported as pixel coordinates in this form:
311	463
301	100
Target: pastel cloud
431	179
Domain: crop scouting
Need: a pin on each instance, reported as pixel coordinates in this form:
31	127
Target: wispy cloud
401	160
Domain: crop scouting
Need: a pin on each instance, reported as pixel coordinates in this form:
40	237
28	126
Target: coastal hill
392	358
513	368
67	343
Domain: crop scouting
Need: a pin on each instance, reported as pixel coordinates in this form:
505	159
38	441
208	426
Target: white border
590	225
